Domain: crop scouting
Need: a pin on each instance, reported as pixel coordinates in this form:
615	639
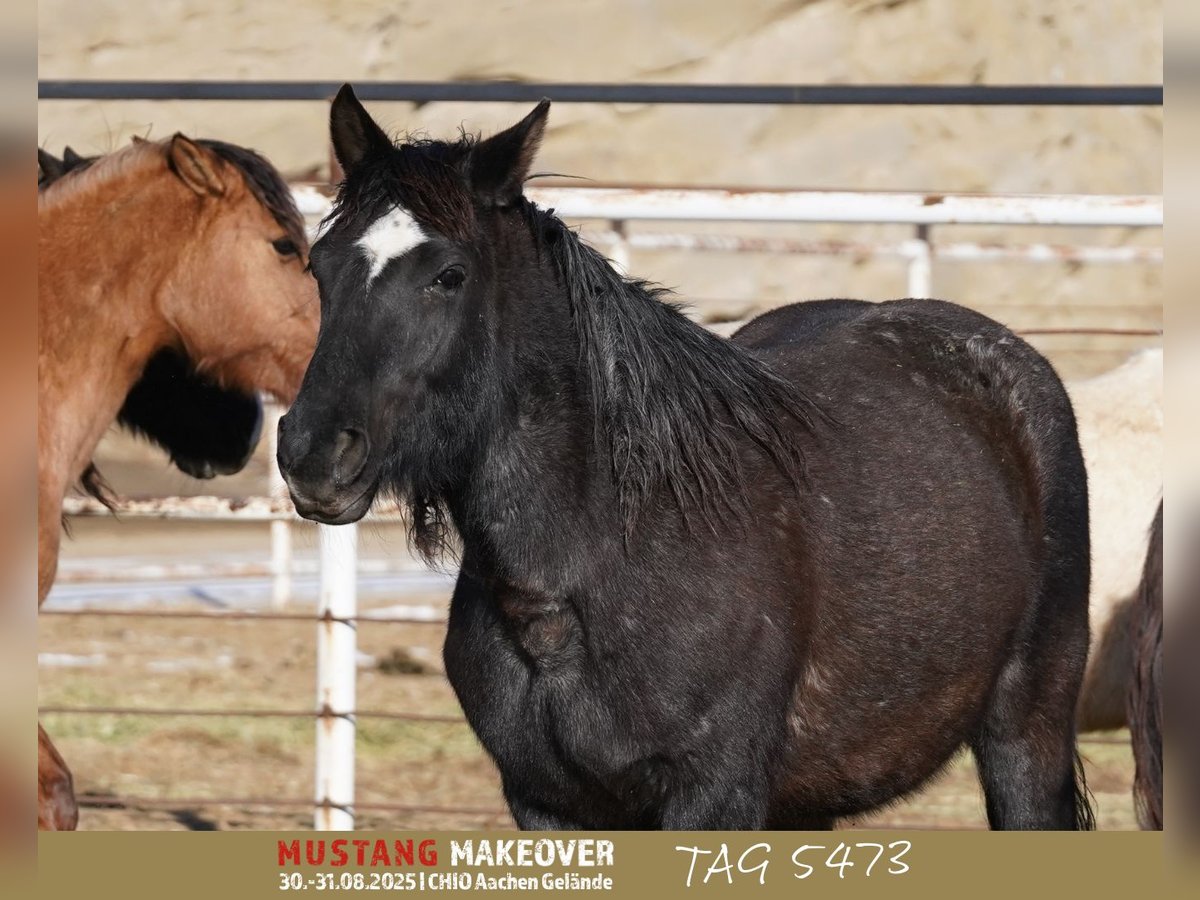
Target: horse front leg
727	791
57	810
715	807
530	816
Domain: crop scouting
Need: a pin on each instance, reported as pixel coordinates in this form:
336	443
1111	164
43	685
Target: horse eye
285	247
451	278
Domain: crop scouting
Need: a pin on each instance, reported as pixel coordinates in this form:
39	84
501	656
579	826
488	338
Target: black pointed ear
51	166
500	165
71	159
353	131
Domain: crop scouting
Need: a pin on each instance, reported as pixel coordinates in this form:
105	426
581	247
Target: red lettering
340	856
361	844
427	853
380	854
404	852
314	852
289	852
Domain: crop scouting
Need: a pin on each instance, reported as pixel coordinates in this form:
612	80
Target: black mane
661	385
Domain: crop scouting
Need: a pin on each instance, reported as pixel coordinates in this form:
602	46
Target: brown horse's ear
51	165
353	132
500	165
195	167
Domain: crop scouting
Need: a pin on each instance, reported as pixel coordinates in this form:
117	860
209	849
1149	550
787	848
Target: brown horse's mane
140	154
259	175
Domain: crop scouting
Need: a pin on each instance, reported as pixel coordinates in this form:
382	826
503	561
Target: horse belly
921	584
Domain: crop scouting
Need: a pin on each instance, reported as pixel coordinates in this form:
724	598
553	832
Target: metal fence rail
574	92
172	712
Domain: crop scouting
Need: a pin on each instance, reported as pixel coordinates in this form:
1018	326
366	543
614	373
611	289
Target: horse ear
194	166
353	132
71	159
52	167
500	165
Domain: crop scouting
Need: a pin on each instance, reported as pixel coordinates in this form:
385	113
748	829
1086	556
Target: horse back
955	357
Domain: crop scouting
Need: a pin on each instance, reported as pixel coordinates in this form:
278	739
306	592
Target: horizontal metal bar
826	206
113	801
576	92
248	713
1098	332
236	614
880	207
245	509
83	570
959	250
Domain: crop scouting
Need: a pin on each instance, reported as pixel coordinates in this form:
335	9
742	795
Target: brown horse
191	246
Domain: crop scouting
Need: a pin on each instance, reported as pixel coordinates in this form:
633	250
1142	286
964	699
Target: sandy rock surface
1098	150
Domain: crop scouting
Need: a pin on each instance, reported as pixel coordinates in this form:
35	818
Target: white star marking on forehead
388	237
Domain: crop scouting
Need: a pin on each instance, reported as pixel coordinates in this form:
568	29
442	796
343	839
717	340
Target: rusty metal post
336	675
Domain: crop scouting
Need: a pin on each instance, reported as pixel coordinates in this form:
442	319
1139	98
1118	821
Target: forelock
425	178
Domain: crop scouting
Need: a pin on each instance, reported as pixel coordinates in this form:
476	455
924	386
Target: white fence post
281	529
336	675
920	265
619	252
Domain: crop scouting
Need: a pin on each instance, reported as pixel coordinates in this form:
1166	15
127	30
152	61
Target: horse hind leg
1029	767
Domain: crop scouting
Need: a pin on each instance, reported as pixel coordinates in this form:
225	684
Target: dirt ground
154	662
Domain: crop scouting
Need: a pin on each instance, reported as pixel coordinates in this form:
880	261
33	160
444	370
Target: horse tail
1144	701
1085	818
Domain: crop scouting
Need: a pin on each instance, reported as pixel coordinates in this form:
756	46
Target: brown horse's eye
451	278
285	247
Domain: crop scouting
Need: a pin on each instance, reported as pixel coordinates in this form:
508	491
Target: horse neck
523	503
107	258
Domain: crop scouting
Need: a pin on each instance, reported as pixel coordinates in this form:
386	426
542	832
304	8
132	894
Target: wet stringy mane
664	390
663	387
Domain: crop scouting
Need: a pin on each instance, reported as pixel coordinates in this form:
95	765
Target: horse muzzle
331	480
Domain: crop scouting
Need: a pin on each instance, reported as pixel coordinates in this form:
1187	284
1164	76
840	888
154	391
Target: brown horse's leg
57	810
56	793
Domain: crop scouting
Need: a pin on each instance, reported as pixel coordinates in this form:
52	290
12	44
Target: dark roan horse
207	428
770	581
1145	701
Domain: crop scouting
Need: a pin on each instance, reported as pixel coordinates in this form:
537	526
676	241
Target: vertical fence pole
336	674
620	249
281	530
920	265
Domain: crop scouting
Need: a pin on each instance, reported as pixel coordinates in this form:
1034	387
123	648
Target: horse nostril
349	455
283	450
